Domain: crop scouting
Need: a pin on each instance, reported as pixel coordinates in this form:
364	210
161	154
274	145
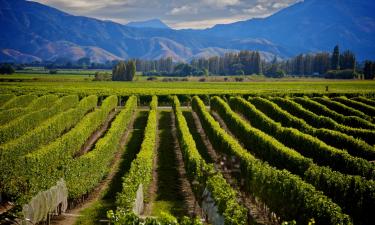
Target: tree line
241	63
337	65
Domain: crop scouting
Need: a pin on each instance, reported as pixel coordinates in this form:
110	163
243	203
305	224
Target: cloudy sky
176	13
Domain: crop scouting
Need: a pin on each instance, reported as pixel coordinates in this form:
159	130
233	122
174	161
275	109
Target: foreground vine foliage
305	157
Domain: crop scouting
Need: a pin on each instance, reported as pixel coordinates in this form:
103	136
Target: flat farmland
190	152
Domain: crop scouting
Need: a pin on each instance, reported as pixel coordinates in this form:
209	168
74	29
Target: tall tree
119	72
369	70
347	60
130	70
6	69
335	60
258	63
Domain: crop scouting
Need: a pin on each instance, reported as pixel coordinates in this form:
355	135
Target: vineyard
186	158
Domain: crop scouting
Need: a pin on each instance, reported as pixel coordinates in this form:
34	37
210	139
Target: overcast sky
176	13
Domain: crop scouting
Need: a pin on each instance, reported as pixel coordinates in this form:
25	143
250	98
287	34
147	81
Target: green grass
42	70
168	196
44	77
159	207
98	210
78	84
74	82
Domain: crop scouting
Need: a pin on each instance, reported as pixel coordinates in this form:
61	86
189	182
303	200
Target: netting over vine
54	199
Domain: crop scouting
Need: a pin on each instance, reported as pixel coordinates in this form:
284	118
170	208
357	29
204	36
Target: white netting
46	202
210	209
138	202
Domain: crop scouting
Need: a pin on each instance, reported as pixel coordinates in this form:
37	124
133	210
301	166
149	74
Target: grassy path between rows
97	209
168	197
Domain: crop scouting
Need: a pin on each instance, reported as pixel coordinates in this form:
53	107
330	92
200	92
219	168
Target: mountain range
153	23
32	31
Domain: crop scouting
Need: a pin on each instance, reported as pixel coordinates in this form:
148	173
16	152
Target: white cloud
201	24
183	10
84	5
221	3
258	9
279	5
177	13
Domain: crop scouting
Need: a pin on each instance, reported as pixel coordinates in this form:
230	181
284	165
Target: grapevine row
284	193
337	139
23	124
4	98
341	108
49	163
323	122
40	103
320	109
86	171
305	144
140	172
222	193
368	110
11	152
19	101
364	100
350	192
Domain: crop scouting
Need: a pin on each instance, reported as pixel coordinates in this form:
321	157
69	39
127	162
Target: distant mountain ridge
313	25
32	31
153	23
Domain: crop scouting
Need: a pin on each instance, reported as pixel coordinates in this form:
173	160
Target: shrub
102	76
341	74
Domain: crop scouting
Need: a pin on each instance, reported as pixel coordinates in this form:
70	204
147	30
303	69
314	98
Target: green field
68	84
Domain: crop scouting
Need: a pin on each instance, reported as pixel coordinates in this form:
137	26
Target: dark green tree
271	70
6	69
258	64
119	72
130	70
347	60
335	60
369	70
84	62
300	69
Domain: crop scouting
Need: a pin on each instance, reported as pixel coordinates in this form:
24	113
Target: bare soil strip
229	166
71	216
